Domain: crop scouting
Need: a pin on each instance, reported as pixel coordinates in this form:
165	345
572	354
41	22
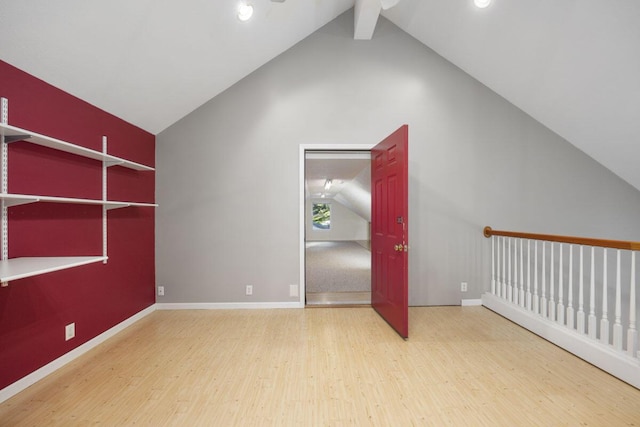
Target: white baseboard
226	305
20	385
37	375
470	302
618	364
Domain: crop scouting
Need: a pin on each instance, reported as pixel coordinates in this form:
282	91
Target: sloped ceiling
151	62
573	65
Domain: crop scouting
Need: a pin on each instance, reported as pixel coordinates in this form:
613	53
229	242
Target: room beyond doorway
338	272
336	239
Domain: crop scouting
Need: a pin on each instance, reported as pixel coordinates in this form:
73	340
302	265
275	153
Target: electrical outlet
160	291
463	287
293	290
69	331
248	290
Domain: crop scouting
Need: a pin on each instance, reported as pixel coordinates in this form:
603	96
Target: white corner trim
18	386
618	364
227	305
470	302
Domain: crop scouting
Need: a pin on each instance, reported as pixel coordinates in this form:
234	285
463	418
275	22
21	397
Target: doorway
389	207
335	231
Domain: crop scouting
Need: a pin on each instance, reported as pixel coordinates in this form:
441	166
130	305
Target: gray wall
228	184
356	194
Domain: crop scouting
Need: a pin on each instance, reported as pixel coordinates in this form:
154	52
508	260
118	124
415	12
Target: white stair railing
537	274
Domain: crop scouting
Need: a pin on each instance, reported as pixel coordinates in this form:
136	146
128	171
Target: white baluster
514	296
529	275
580	316
570	311
521	296
604	321
592	297
536	301
632	333
543	297
617	324
497	293
560	308
510	282
504	266
493	266
552	285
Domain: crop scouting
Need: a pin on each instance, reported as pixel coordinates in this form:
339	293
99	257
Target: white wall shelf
22	199
13	134
19	268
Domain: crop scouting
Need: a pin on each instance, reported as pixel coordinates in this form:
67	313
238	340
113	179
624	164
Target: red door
389	230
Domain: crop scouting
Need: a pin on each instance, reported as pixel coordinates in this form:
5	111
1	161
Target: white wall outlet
160	291
293	290
69	331
248	290
463	287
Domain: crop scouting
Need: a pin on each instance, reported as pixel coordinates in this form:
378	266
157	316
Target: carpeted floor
338	266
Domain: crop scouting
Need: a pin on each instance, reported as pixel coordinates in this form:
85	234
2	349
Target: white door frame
303	149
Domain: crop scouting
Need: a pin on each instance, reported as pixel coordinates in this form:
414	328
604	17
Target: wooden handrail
616	244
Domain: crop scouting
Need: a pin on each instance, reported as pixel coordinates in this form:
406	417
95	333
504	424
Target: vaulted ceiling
573	65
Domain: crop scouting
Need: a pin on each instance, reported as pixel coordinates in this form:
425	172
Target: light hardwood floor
462	366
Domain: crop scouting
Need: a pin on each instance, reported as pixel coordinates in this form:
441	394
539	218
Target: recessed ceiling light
245	11
482	3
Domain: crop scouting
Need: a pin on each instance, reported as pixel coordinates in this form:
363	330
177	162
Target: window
321	216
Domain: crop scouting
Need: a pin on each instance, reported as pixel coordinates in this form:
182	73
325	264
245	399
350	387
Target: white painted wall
345	224
356	195
475	160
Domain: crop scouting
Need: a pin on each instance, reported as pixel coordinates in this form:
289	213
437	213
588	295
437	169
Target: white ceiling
151	62
340	168
573	65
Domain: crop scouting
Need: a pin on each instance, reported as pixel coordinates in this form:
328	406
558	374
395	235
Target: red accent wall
34	311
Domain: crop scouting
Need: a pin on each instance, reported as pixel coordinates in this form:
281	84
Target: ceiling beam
366	16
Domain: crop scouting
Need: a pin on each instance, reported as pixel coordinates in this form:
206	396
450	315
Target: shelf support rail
104	198
4	154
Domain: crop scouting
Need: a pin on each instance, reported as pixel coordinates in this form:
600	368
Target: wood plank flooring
462	366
